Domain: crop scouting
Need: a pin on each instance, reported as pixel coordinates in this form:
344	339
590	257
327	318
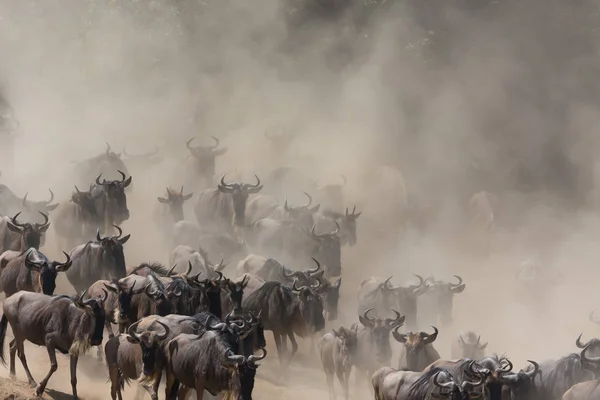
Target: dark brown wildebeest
111	206
96	260
18	237
33	272
337	350
202	162
56	322
382	296
170	210
325	222
439	298
270	269
207	362
76	220
418	349
436	383
287	312
468	345
374	348
131	355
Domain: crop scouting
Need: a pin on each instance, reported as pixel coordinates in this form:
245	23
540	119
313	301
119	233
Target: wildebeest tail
3	327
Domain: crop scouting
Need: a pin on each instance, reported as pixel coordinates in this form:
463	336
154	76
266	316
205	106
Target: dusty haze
508	86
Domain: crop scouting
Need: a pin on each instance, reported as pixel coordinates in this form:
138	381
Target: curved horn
460	281
431	338
317	285
312	271
148	292
187	144
581	345
223	182
169	272
77	189
253	358
284	272
296	288
218	326
507	367
337	229
123	176
257	181
309	199
98	180
234	358
216	143
98	238
15	222
120	231
132	331
103	298
167	331
220	275
25	199
46	220
187	273
366	315
51	197
536	369
446	385
81	296
398	320
590	360
421	282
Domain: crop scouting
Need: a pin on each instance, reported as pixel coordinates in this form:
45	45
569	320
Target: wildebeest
381	296
325	221
418	349
468	345
287	312
18	236
142	161
264	206
107	163
171	209
76	220
466	369
279	144
519	385
182	256
331	195
337	350
33	272
56	322
207	362
11	204
270	269
131	355
588	390
224	209
440	297
99	259
202	162
437	383
112	205
374	348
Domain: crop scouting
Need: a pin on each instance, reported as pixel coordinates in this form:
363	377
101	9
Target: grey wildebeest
588	390
468	345
140	162
438	301
99	259
382	296
418	349
112	205
76	220
33	272
11	204
287	312
325	221
224	209
184	256
466	369
207	362
107	163
332	195
18	237
56	322
131	355
265	206
279	145
201	167
437	383
337	350
374	348
170	210
514	385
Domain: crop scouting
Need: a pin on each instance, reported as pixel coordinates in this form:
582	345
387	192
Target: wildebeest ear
12	227
188	196
338	283
111	287
315	208
126	182
458	289
220	152
483	346
44	228
52	207
162	200
124	239
336	333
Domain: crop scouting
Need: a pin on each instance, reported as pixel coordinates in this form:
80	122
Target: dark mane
156	267
564	373
420	388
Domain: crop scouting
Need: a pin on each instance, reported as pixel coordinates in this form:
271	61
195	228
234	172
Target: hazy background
460	96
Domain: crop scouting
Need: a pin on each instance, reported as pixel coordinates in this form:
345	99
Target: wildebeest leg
115	382
343	376
280	351
183	392
199	390
170	390
74	360
330	384
53	367
21	353
294	345
13	352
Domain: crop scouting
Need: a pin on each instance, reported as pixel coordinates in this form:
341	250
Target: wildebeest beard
311	309
114	259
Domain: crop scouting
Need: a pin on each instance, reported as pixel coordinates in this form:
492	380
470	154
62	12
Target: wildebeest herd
197	325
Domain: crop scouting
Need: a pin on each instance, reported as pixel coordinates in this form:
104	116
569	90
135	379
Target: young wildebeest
56	322
374	348
130	355
337	350
99	259
207	362
76	220
170	210
19	237
33	272
418	348
468	345
112	205
287	311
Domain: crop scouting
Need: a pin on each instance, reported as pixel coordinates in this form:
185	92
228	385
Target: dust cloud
459	96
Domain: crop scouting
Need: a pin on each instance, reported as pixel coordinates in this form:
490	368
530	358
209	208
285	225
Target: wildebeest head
204	157
415	344
453	390
246	368
32	208
471	348
175	201
231	329
593	344
112	252
257	330
31	234
110	154
47	270
124	293
311	305
155	290
444	293
303	215
380	330
349	340
115	198
590	363
239	195
303	278
328	250
331	298
149	341
95	309
86	201
521	383
407	299
236	292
